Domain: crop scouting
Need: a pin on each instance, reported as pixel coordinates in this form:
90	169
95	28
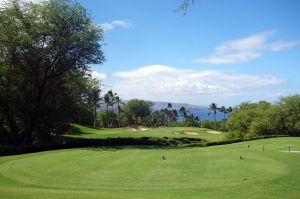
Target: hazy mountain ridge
161	105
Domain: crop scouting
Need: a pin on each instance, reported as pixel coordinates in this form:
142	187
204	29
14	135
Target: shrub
215	125
256	119
107	118
235	135
290	109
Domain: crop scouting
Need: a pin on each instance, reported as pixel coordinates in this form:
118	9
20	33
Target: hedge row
223	142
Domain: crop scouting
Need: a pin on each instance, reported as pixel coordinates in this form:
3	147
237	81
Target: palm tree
168	112
169	106
112	100
95	98
174	115
183	112
118	101
93	95
229	110
106	101
213	108
223	110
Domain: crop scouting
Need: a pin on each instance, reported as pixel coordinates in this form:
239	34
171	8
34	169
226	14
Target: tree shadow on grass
126	147
73	130
120	143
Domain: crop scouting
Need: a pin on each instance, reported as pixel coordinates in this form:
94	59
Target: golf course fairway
226	171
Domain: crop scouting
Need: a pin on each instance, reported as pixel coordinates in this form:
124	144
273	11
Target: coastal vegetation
263	118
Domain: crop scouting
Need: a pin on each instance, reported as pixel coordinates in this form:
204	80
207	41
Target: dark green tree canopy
137	110
44	49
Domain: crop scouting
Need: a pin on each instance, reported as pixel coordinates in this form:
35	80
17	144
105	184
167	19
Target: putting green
210	172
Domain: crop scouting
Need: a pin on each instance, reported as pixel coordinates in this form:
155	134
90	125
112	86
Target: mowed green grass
129	172
79	131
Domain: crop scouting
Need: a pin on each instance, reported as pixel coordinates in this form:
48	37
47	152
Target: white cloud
106	26
98	76
116	23
246	49
158	82
283	45
121	23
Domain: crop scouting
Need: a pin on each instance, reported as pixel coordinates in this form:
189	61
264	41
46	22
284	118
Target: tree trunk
13	128
106	116
95	116
118	114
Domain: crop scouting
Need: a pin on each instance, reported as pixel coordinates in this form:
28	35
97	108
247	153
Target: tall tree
94	97
112	99
183	112
224	111
169	106
290	111
119	102
229	110
174	115
44	48
213	108
106	101
167	113
137	110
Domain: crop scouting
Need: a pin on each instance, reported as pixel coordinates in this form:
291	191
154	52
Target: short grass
130	172
79	131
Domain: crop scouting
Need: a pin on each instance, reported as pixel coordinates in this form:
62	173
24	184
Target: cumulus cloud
246	49
114	24
98	75
159	82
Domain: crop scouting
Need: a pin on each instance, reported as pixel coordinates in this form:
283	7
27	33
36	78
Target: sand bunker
214	132
137	128
185	133
290	151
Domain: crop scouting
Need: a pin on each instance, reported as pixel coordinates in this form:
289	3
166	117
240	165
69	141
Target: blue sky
225	52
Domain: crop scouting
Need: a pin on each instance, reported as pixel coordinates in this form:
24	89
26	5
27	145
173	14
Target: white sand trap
185	133
143	129
290	151
137	128
214	132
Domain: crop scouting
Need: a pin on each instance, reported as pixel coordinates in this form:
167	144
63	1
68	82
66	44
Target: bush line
231	141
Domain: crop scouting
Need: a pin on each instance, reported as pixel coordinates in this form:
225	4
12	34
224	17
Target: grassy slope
210	172
85	132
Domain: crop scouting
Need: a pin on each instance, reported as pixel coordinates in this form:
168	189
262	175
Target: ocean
203	114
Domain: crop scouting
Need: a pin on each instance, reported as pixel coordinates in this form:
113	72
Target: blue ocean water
203	114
